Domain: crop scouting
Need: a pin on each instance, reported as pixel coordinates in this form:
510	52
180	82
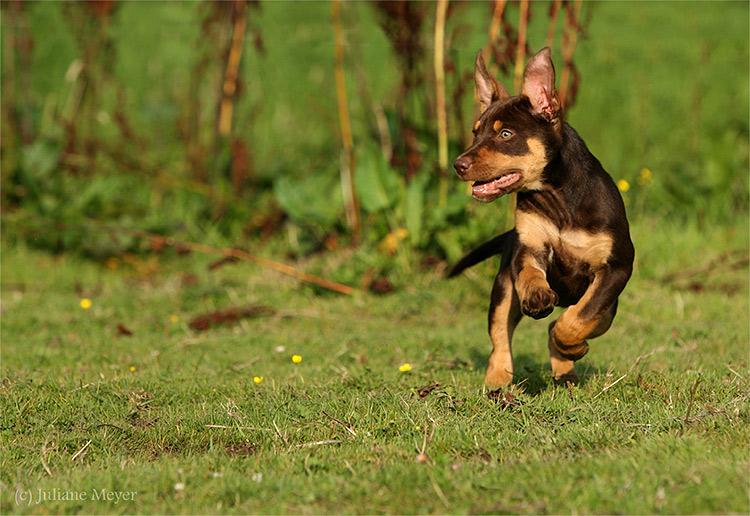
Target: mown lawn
659	423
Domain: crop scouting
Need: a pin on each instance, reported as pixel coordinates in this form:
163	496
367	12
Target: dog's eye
505	134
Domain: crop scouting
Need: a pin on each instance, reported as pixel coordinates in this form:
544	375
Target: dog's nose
462	165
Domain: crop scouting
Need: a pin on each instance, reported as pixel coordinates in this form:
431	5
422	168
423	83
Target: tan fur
531	165
497	125
502	324
594	249
476	125
531	276
562	368
537	232
571	328
570	331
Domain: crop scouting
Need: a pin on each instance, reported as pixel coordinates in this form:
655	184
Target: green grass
630	439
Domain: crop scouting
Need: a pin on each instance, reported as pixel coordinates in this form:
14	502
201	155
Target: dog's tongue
491	190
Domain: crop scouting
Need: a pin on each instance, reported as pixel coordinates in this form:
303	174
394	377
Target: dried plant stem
442	119
554	11
229	88
280	267
523	22
686	419
348	188
497	17
570	40
283	268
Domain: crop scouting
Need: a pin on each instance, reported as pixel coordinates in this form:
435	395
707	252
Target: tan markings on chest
538	232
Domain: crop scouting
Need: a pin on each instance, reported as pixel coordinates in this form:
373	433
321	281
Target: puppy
571	243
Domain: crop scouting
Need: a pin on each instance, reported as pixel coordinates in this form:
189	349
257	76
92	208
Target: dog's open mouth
487	191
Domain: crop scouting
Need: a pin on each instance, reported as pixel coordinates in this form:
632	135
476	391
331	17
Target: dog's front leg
503	318
530	270
587	319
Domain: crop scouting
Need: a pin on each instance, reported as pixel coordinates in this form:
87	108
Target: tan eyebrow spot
497	125
476	125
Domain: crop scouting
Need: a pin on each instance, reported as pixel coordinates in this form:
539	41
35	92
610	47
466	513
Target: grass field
658	424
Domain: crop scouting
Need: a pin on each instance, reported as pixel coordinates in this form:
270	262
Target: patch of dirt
123	331
504	399
240	449
207	321
425	391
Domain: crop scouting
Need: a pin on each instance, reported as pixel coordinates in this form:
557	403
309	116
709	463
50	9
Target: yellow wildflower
405	367
623	185
296	359
85	303
174	318
645	176
257	379
390	243
132	369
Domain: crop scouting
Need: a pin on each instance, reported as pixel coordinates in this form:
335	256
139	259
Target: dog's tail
489	248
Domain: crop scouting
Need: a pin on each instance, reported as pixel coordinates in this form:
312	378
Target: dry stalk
686	419
348	188
283	268
229	89
280	267
497	17
442	121
523	22
570	40
553	13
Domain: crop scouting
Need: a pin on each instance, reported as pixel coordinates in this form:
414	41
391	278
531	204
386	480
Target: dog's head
515	137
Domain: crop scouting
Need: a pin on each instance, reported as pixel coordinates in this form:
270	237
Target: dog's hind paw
539	303
569	378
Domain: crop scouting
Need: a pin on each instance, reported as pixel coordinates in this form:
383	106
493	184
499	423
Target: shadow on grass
534	374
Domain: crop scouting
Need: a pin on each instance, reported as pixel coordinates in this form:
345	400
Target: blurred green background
111	109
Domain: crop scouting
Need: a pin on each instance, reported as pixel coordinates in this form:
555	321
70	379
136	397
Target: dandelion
132	369
296	359
405	367
623	185
85	303
645	176
174	318
257	380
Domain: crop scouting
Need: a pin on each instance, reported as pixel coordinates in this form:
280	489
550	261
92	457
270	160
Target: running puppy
571	244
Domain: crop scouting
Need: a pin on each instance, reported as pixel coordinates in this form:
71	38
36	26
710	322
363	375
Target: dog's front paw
539	302
497	378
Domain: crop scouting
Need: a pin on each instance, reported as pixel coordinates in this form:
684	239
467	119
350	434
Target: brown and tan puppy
571	243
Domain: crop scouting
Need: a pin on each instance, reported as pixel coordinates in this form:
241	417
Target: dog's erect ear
539	85
487	88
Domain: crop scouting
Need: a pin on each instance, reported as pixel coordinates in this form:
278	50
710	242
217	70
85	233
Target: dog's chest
573	247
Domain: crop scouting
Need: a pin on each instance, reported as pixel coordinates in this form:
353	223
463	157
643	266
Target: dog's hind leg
589	318
563	366
505	312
